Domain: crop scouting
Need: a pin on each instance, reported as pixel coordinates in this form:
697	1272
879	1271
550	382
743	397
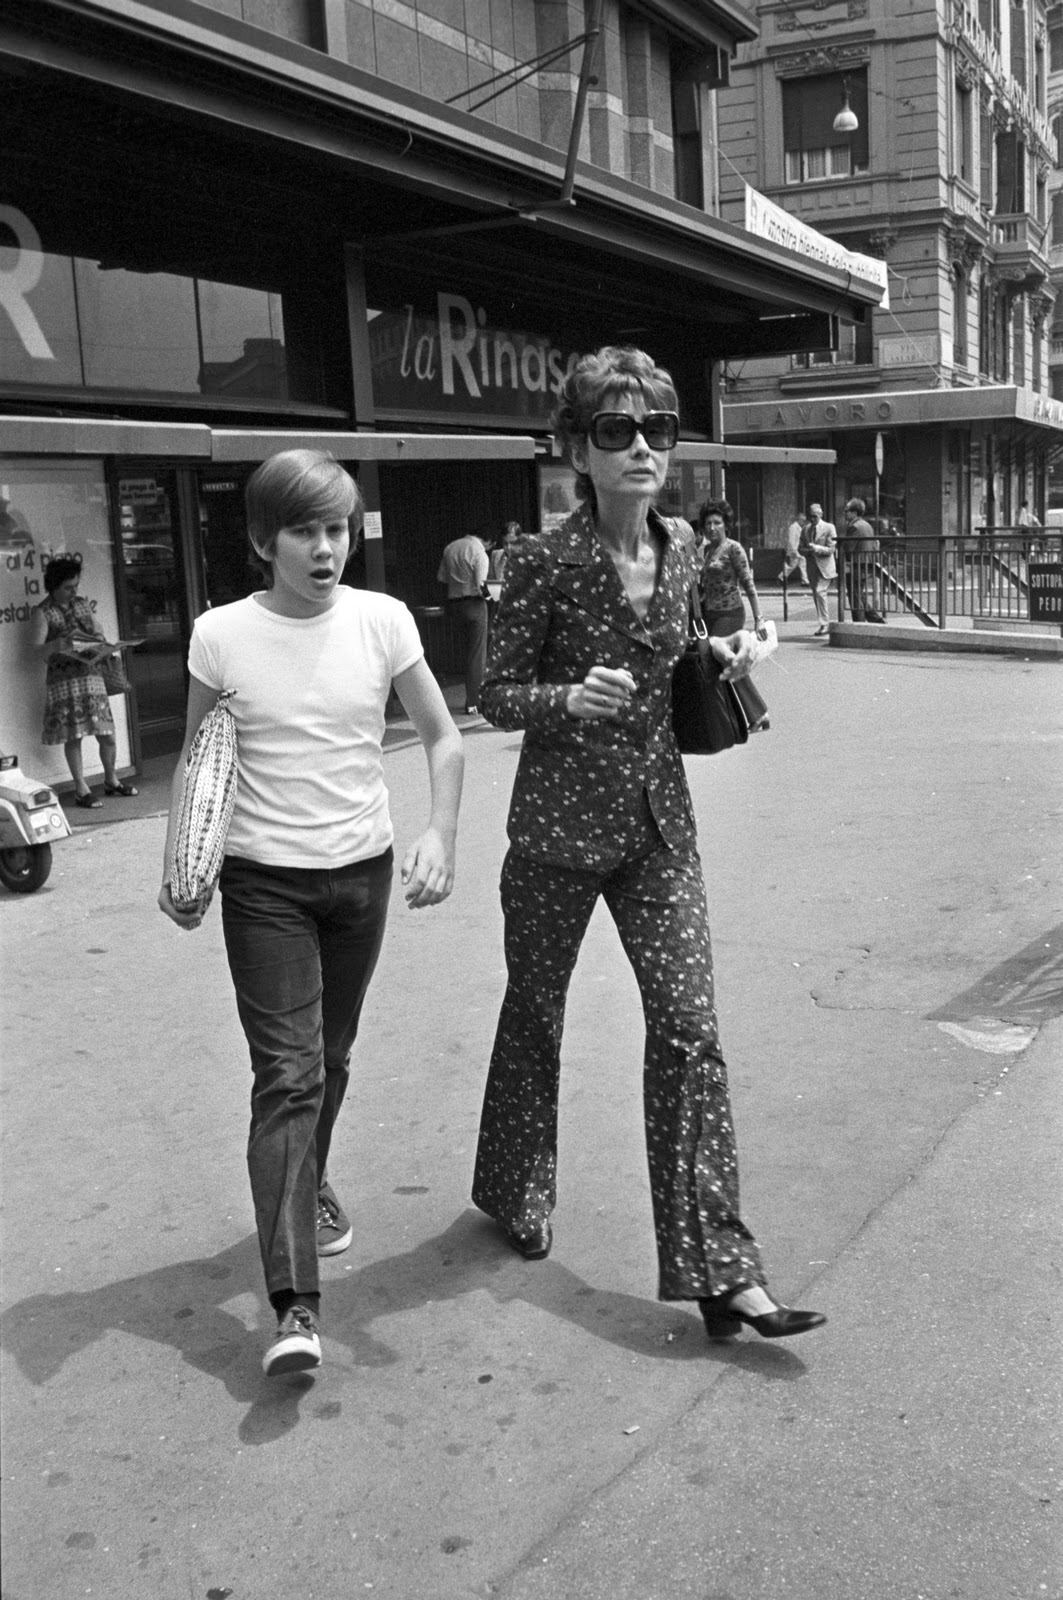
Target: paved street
887	905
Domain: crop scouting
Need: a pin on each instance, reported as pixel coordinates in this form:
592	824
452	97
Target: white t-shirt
309	702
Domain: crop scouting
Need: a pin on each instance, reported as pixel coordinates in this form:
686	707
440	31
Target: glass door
155	606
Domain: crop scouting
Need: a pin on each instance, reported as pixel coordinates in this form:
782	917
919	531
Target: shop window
812	150
49	508
93	324
854	349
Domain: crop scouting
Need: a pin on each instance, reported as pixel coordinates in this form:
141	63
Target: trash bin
443	640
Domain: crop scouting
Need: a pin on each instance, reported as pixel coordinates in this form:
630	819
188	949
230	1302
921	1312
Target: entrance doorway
227	573
154	601
426	504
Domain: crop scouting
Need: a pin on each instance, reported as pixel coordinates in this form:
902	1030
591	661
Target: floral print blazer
579	786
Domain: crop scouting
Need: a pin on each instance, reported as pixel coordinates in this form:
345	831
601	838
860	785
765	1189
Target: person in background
496	561
1027	519
306	879
861	548
725	577
76	701
591	624
794	560
464	568
818	541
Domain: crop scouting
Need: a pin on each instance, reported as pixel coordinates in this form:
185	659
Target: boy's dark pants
302	945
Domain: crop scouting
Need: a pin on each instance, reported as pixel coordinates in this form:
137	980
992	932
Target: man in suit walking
817	545
861	548
794	561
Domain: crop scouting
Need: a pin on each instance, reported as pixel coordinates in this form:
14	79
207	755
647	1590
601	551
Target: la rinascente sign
456	362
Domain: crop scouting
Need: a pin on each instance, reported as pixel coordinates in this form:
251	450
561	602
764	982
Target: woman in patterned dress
591	622
76	701
725	577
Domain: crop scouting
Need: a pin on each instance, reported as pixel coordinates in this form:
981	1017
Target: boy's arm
428	866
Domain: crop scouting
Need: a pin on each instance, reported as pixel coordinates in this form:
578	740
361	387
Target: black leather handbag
707	716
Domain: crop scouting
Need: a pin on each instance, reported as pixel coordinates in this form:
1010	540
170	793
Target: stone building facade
947	177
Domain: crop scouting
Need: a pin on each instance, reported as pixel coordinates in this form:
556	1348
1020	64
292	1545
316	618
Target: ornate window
812	150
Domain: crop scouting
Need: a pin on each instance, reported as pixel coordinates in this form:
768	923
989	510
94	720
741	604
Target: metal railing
933	580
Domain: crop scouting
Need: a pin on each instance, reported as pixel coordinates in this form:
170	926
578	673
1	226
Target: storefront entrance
155	604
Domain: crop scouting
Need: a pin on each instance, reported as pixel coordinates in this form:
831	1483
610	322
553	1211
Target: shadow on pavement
182	1306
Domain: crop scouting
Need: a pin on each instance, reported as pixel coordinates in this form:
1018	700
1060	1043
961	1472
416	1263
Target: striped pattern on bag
206	808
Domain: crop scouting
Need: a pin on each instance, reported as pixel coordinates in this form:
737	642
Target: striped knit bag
206	809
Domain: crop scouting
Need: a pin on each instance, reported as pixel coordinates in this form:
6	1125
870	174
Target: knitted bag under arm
206	808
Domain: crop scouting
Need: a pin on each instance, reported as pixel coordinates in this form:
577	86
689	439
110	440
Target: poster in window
50	508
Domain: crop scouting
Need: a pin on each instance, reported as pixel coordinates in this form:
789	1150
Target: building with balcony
940	405
381	227
1055	234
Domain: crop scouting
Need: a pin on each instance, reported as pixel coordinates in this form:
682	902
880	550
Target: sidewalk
919	1452
884	874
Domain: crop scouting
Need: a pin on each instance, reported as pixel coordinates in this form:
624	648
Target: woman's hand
735	654
604	693
428	870
189	917
761	628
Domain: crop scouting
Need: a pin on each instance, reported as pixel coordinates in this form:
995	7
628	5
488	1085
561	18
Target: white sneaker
297	1347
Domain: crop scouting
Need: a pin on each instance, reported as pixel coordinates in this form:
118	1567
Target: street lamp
846	121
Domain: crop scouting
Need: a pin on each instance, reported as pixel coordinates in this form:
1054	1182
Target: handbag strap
696	624
695	616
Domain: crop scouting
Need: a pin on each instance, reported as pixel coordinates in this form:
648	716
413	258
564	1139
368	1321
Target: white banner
769	221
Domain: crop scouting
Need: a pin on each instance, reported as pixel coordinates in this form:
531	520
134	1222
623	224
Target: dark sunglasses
616	430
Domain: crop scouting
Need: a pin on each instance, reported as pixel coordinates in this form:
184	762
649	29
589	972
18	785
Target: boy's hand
428	870
186	917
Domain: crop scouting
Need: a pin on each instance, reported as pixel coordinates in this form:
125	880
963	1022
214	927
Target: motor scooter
31	820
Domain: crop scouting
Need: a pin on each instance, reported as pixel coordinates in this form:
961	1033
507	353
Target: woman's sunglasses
616	430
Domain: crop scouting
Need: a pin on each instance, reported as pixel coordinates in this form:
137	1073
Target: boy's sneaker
297	1347
334	1231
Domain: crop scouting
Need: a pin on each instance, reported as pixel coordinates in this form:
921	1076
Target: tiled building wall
297	20
444	48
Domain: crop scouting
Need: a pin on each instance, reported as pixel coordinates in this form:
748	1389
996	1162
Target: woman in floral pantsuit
591	623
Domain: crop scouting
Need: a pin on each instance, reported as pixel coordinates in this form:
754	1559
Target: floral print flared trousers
657	901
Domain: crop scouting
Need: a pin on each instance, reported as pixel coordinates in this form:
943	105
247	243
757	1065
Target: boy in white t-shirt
308	859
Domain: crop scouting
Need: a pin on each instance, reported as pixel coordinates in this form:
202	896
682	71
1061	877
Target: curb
872	636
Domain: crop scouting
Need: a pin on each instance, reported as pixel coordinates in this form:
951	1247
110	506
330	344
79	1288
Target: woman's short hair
612	371
293	487
59	571
716	508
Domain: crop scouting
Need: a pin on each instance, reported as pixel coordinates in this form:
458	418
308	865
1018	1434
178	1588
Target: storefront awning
764	454
893	409
90	436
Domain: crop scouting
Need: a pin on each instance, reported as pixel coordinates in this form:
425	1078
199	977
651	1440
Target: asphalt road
885	889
